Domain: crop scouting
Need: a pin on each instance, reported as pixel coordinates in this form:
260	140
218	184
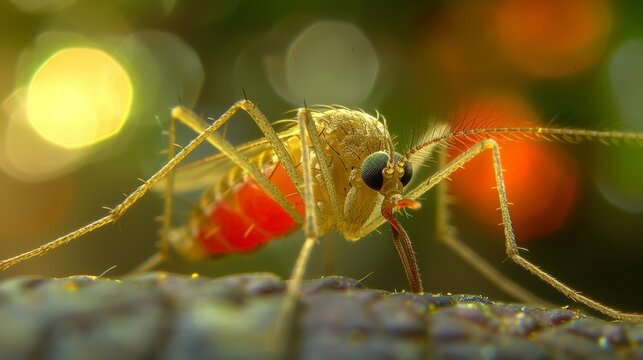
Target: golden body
347	137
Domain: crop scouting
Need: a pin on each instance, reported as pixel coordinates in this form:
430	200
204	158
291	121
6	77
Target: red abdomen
246	217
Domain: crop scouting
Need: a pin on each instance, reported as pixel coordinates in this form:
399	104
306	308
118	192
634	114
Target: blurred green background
577	63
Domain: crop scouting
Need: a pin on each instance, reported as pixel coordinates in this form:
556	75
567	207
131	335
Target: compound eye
372	168
375	163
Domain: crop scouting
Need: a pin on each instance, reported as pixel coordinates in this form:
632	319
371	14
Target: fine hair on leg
446	234
286	314
511	248
205	132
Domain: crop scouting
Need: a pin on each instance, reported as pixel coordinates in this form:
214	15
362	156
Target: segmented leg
304	115
510	243
163	252
286	314
206	132
511	248
446	234
189	118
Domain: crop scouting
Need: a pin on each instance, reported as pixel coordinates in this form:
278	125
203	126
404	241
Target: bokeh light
78	96
25	155
618	176
92	18
466	56
260	67
165	70
552	38
331	63
626	74
37	6
618	172
540	177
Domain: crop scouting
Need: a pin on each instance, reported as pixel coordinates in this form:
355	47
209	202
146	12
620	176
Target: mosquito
330	168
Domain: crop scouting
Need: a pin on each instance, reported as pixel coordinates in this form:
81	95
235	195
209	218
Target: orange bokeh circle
540	177
551	38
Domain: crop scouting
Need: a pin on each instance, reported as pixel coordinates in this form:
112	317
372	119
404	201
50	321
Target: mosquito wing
205	172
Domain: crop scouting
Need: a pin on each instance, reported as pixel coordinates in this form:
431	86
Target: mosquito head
389	178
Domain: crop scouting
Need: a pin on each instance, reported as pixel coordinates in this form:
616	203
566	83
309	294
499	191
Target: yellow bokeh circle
79	96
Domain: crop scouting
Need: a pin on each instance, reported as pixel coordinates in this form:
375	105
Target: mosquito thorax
374	166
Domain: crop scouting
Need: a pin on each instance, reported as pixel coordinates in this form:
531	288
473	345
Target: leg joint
489	143
179	112
245	104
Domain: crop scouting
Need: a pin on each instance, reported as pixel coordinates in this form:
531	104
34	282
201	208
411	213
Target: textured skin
166	316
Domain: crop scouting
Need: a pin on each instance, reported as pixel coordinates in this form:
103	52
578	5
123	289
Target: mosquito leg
286	313
510	243
512	248
304	115
336	208
195	122
130	200
446	233
164	246
163	252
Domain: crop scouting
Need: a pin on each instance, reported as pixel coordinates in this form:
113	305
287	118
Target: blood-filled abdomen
246	216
